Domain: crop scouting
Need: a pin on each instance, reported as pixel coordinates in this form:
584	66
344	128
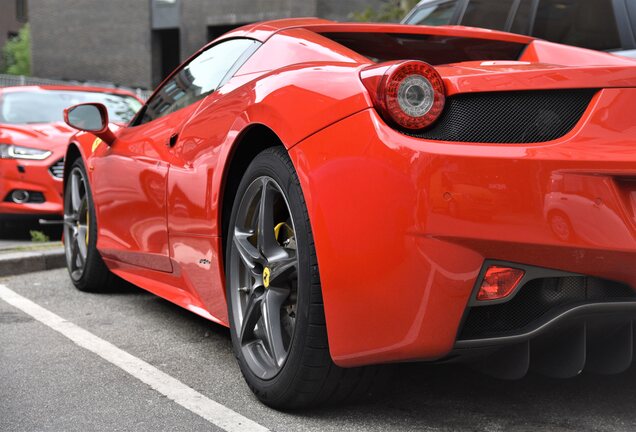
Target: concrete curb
15	263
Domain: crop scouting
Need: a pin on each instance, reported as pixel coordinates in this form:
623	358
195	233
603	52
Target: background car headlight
9	151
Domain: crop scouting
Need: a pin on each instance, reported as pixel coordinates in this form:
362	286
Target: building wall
198	15
117	40
165	14
342	10
9	25
96	40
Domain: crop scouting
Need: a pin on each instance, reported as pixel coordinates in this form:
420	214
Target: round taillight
413	94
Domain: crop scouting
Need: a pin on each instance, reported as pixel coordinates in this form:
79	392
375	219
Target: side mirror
90	117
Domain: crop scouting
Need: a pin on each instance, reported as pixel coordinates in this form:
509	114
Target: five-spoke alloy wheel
264	277
275	308
84	263
76	223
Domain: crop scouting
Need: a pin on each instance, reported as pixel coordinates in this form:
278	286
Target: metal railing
21	80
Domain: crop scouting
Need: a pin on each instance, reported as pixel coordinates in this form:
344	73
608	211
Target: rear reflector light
410	93
499	282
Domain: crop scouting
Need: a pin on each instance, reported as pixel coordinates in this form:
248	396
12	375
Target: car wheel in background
84	263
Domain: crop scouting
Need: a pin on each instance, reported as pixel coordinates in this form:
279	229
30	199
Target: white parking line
170	387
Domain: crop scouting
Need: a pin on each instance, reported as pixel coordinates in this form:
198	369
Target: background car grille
509	117
536	299
57	169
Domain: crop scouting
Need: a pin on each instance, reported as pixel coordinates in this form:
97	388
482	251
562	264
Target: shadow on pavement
454	397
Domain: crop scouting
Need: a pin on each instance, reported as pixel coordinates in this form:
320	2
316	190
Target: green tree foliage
17	53
389	11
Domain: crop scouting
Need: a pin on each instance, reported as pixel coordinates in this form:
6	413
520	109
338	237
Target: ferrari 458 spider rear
347	195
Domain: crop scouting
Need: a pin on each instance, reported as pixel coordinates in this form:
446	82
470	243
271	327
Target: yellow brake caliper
285	235
288	230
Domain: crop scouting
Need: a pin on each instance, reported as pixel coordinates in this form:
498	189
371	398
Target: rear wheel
84	263
274	296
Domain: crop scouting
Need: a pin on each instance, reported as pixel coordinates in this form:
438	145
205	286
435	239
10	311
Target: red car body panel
408	213
425	283
35	175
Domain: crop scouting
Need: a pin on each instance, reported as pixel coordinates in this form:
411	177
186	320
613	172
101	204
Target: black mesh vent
36	198
509	117
536	299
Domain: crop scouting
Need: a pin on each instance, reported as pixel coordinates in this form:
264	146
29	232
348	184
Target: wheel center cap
266	274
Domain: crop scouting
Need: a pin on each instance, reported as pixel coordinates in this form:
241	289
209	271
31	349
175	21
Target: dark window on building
216	31
200	77
522	18
21	11
589	23
166	53
434	15
492	14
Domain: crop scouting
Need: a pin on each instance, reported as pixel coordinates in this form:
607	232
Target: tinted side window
198	78
491	14
439	14
588	24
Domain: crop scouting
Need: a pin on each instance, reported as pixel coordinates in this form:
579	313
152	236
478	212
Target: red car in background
33	141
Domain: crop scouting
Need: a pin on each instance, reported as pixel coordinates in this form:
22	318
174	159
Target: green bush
38	236
17	53
389	11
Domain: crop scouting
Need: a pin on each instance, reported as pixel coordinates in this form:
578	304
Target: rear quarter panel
294	103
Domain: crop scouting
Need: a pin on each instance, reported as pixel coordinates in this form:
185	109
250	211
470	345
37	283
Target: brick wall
111	40
197	15
341	10
92	40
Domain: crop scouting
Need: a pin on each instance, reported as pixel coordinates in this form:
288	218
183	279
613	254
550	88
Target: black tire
94	275
308	376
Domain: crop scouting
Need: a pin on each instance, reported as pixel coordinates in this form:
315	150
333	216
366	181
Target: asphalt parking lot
48	382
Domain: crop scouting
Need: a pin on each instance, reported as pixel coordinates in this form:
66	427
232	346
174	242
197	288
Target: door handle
173	140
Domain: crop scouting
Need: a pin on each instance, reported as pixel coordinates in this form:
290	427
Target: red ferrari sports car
347	195
33	141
